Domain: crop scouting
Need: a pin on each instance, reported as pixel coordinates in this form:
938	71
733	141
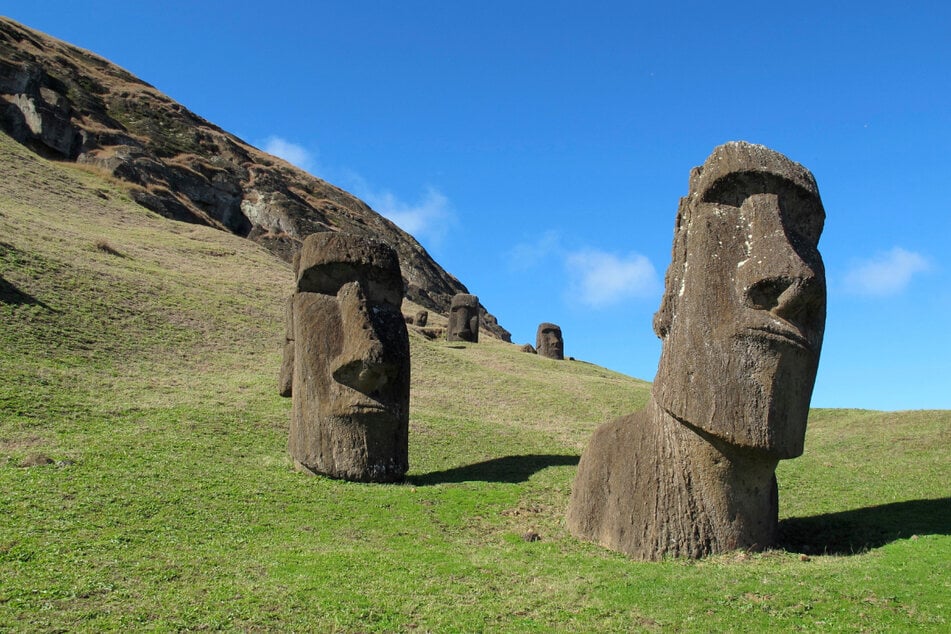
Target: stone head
548	341
464	318
743	311
352	348
422	318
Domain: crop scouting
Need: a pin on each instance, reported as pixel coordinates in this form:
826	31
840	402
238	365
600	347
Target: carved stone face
464	319
351	375
548	341
743	313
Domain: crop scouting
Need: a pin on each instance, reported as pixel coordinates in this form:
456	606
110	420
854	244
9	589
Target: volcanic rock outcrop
69	104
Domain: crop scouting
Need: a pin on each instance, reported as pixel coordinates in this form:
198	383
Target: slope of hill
145	483
67	103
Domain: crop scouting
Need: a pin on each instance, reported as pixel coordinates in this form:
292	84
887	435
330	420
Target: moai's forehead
739	166
463	300
328	260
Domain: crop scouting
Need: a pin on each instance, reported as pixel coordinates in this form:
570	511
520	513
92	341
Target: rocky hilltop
69	104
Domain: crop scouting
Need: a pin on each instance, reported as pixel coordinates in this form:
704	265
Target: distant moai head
422	318
548	341
743	312
351	360
464	319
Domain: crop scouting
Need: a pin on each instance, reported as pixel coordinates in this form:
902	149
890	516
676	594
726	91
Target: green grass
141	357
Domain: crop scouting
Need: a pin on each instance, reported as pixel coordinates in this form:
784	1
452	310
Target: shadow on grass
10	294
507	469
858	530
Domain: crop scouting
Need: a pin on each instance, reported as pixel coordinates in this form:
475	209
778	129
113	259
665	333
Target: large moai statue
741	321
351	364
549	343
463	319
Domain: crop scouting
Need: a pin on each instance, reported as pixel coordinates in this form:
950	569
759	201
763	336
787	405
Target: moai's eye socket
800	210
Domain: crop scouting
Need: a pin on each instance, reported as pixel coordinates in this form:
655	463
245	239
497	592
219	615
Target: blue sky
538	149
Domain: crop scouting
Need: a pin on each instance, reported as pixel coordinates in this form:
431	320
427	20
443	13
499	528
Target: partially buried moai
741	324
463	319
549	343
350	359
286	378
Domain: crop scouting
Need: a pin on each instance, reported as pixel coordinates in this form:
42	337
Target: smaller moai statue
350	360
464	319
422	318
286	380
549	343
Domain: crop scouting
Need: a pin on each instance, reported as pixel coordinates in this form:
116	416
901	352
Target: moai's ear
674	279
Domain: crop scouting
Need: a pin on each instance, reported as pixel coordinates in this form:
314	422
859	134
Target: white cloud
429	218
887	273
527	255
598	279
291	152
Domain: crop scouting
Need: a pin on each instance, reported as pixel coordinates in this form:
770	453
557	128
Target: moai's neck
728	497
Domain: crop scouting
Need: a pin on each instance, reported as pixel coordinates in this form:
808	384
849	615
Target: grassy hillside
145	483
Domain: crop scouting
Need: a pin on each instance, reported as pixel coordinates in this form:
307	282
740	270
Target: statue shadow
859	530
510	469
10	294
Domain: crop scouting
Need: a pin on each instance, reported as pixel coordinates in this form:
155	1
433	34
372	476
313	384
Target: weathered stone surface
422	318
743	313
529	348
70	104
549	342
464	319
432	332
742	321
331	260
350	415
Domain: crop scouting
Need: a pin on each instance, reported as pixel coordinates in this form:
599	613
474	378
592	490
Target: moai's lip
368	407
775	332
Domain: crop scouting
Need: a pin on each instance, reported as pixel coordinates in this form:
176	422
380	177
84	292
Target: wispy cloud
599	279
595	278
526	255
428	219
887	273
291	152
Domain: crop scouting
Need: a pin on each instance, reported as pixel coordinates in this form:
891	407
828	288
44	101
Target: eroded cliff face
69	104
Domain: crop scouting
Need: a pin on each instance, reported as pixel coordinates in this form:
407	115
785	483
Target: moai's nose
776	276
361	363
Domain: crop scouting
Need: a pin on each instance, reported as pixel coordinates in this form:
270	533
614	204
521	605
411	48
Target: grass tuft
105	247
